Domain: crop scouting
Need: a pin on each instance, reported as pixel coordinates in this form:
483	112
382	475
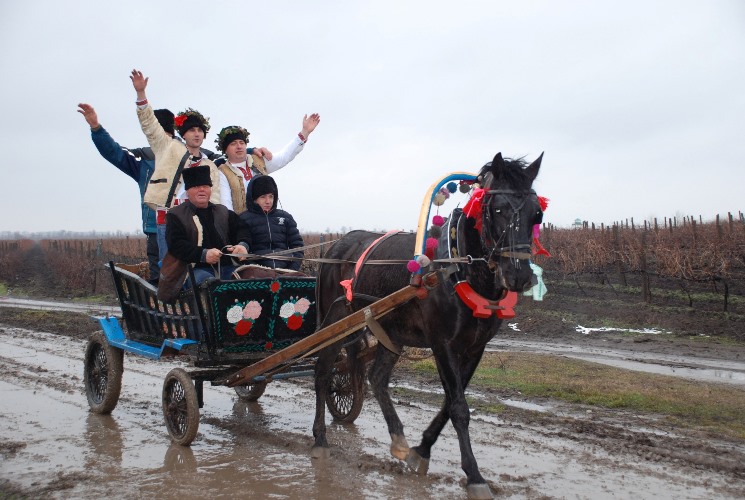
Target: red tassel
544	202
540	250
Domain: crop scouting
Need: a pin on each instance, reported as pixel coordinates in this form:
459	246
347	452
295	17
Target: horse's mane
514	174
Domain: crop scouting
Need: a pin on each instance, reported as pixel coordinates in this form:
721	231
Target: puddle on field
60	306
695	368
509	402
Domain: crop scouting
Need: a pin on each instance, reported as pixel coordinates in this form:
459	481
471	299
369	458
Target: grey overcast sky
638	105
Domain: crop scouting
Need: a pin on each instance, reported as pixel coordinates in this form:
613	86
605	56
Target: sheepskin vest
235	180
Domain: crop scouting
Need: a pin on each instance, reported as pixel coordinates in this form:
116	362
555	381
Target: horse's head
510	209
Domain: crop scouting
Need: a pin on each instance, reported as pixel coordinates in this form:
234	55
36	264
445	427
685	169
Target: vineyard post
646	290
619	264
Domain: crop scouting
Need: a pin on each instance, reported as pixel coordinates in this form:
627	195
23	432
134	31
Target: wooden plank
335	331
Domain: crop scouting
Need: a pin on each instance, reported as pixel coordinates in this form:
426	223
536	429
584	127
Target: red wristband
141	103
302	137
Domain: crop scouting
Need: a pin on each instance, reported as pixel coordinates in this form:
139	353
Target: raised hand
138	80
89	114
310	123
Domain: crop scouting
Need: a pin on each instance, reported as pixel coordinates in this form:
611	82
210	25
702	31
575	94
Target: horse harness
480	305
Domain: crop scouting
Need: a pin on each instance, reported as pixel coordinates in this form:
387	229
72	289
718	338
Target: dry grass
713	407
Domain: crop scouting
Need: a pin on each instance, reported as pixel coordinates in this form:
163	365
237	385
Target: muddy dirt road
52	447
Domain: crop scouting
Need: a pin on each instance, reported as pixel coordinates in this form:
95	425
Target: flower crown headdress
184	115
234	130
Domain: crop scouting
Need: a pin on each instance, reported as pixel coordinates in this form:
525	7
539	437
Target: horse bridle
491	245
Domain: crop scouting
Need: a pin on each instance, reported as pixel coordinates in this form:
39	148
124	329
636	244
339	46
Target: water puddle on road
690	367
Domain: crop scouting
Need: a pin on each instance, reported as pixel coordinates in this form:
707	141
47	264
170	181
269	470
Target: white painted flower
287	310
235	314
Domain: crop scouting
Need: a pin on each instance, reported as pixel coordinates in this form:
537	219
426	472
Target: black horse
498	241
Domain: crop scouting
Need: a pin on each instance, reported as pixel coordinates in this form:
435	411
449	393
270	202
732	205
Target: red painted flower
268	346
295	321
179	120
274	286
243	327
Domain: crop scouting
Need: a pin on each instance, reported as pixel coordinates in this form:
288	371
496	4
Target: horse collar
480	305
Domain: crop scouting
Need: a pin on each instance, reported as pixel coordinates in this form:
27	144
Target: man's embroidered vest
235	180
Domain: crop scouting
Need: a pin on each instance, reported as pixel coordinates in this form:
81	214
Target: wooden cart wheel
250	392
345	397
102	375
180	407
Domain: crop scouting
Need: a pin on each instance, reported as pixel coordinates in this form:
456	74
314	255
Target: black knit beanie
263	184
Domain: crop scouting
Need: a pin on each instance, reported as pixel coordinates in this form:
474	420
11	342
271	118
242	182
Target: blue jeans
203	273
162	245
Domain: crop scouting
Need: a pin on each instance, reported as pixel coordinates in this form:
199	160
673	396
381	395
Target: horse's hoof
417	463
479	491
320	452
399	447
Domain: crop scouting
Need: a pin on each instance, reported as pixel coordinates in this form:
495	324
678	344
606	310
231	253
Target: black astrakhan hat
165	118
197	176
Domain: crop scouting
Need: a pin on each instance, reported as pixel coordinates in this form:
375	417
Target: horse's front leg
455	376
379	376
323	371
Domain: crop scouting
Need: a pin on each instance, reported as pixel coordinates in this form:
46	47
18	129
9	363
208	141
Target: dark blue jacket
271	232
136	163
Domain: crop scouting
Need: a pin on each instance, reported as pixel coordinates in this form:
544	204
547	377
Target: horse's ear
534	167
497	163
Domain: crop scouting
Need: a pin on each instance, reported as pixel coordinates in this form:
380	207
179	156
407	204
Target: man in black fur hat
204	233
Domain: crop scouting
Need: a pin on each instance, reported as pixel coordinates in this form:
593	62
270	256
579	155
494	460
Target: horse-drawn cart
241	334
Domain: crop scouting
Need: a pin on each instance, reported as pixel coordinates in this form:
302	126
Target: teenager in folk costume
165	189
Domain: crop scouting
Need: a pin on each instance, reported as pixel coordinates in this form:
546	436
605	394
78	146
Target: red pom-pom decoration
431	244
438	220
412	266
543	202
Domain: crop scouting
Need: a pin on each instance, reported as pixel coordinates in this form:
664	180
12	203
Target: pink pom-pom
431	244
412	266
537	231
438	220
